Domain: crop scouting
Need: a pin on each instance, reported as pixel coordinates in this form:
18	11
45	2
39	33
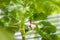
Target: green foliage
26	28
49	28
47	33
15	12
39	16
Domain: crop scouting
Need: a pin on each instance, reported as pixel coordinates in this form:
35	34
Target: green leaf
5	19
4	3
26	28
48	27
54	37
39	16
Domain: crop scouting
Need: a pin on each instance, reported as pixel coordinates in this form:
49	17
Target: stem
22	27
22	30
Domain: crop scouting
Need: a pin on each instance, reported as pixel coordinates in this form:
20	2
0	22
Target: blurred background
54	19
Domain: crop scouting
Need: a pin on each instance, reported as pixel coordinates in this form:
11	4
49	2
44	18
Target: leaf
4	2
54	37
46	23
45	35
38	16
48	27
5	19
26	28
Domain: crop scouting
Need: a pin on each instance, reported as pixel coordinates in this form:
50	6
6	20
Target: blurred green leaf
48	27
38	16
54	37
26	28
